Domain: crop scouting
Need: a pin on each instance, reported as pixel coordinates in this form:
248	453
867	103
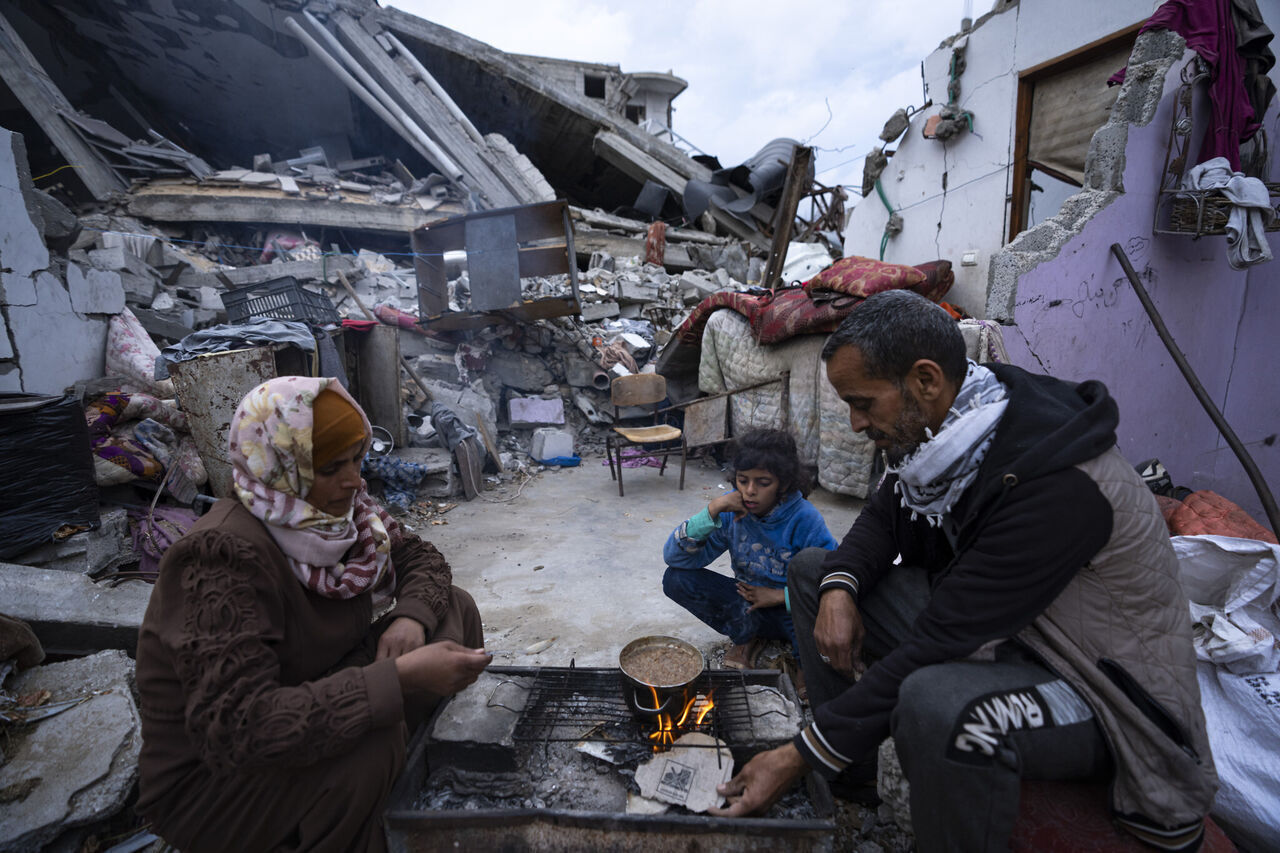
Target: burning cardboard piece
688	773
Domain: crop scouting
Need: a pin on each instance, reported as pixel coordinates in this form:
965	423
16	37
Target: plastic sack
1243	716
44	450
1232	584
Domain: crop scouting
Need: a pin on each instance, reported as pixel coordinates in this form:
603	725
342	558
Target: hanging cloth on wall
1210	30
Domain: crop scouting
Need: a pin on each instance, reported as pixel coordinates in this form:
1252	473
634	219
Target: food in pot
662	665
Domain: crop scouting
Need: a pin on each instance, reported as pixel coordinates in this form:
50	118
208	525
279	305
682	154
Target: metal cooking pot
650	699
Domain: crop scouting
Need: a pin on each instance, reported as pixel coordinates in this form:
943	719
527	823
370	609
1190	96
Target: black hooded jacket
1014	540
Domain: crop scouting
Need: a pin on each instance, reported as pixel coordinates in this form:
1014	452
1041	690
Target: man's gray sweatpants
967	732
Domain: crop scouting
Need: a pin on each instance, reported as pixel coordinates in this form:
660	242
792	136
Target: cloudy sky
826	73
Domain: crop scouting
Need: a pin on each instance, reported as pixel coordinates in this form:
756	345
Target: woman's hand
731	502
761	596
402	636
443	668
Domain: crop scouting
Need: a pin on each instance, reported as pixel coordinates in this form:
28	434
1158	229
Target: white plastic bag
1233	585
1243	716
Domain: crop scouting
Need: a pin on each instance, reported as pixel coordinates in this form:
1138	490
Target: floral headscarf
270	448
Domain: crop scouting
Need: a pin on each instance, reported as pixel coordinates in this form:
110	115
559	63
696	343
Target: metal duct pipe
436	88
374	97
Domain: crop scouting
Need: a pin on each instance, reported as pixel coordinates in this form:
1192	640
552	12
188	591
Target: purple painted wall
1078	318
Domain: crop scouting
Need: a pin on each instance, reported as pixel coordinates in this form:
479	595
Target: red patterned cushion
1209	512
794	312
938	280
863	277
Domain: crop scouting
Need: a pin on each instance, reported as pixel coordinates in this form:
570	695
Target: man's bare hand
761	596
838	632
443	668
759	785
402	636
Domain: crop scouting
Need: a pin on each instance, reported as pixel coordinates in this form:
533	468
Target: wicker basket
1185	215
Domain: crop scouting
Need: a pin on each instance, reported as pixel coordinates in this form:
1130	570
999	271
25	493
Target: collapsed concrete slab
75	767
70	613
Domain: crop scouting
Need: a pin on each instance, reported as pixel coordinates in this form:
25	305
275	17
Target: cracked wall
953	195
1070	311
53	316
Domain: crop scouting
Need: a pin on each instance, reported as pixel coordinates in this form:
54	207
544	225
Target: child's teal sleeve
701	525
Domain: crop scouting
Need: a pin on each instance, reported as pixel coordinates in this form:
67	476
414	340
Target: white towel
1251	209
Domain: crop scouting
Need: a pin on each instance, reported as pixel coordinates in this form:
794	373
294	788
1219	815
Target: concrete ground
564	560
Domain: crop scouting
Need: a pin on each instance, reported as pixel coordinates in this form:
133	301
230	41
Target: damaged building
481	244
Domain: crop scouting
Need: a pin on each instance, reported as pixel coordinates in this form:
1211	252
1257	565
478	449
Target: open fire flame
670	726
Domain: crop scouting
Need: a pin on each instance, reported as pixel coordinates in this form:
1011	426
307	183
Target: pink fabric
1210	31
270	450
131	354
400	319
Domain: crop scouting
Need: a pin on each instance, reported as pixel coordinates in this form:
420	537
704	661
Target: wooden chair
642	389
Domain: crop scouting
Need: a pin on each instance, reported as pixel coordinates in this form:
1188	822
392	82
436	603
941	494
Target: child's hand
731	502
761	596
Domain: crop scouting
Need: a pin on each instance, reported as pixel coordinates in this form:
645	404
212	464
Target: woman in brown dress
273	706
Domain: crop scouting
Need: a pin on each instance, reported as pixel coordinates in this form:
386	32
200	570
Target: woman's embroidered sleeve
237	713
423	581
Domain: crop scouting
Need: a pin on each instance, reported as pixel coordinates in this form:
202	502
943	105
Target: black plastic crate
282	298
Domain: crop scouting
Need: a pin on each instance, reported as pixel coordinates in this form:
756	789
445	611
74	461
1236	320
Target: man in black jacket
1012	586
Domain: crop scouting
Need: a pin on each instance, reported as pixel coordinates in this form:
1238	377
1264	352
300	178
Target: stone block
581	373
21	243
535	411
211	299
76	767
95	291
6	349
592	311
475	729
636	291
90	552
518	370
140	287
631	311
551	443
56	347
17	289
70	613
441	480
434	365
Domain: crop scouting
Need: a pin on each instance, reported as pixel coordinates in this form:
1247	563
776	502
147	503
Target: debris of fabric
1251	209
257	331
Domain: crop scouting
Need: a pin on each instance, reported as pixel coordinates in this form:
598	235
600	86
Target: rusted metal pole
797	184
1233	441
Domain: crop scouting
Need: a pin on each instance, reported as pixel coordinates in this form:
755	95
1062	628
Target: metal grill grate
570	704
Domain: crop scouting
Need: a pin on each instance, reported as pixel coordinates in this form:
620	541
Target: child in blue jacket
762	523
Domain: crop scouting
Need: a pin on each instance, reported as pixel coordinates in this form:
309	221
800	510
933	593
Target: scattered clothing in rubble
153	530
132	355
137	437
449	426
400	479
255	332
1251	209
